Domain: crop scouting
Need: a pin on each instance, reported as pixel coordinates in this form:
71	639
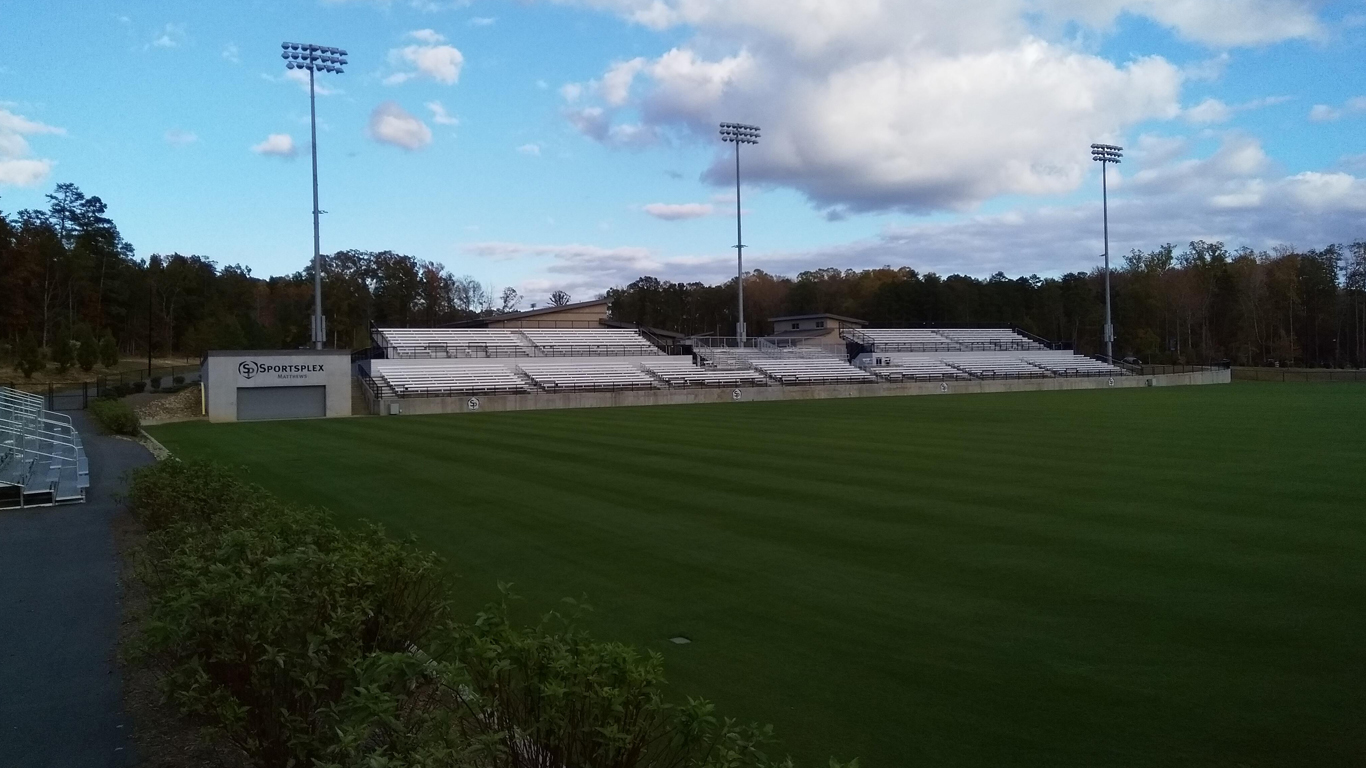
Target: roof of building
479	321
660	332
818	316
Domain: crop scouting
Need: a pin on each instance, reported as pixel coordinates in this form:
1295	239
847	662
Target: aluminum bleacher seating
902	340
589	342
42	460
1064	363
679	371
450	342
916	369
554	375
993	365
436	378
988	338
810	370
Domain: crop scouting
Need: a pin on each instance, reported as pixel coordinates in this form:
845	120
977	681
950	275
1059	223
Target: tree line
1199	304
67	275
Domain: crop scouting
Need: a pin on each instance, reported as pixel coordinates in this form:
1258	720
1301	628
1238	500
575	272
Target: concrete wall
528	402
224	371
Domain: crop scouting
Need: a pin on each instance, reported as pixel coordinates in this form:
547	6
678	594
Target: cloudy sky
572	144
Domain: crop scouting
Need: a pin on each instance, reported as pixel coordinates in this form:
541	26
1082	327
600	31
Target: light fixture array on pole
737	134
1106	154
314	58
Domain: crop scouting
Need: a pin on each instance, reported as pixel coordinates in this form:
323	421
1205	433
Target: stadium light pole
737	134
314	58
1106	154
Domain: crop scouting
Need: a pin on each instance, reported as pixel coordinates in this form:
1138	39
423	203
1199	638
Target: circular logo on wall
943	387
473	404
735	394
248	368
1112	382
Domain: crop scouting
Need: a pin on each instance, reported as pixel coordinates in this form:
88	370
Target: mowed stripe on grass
1136	577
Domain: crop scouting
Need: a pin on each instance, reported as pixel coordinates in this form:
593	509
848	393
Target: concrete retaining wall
539	401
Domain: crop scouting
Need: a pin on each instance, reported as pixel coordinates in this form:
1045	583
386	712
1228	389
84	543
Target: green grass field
1146	577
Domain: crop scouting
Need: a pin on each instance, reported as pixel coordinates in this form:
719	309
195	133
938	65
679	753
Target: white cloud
615	88
439	114
428	36
277	145
482	21
231	53
178	138
571	92
813	25
389	124
678	211
17	165
1209	111
533	150
877	105
172	36
1322	113
432	59
1233	195
1212	111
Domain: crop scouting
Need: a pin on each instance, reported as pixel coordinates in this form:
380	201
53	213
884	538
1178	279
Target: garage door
255	403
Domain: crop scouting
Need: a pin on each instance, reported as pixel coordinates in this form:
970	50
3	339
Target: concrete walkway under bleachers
60	688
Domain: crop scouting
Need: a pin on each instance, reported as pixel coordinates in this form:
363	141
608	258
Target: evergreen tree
88	351
62	353
109	351
30	361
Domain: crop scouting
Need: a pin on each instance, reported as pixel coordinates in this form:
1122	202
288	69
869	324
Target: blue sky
572	144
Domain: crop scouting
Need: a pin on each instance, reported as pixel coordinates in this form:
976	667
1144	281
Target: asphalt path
60	690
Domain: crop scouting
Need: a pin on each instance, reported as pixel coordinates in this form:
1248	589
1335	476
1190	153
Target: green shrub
307	645
156	382
87	349
29	358
115	416
137	386
178	380
109	351
63	353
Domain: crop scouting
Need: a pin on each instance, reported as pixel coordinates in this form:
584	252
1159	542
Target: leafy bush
156	382
137	386
308	645
115	416
178	380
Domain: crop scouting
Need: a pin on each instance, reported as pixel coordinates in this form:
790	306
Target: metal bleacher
1064	363
586	374
42	461
810	370
989	339
986	365
437	378
923	369
420	343
604	342
680	371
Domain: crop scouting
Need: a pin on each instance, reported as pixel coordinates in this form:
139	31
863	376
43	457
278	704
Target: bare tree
559	299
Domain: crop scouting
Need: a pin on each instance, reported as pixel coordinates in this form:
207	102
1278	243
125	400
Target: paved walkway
60	691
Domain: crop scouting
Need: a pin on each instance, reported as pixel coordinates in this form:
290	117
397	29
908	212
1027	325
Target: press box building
249	385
